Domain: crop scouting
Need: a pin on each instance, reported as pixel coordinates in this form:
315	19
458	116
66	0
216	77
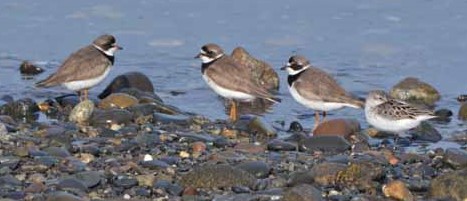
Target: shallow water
365	44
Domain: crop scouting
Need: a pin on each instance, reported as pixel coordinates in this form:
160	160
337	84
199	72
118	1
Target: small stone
125	181
398	190
456	158
184	154
329	143
72	183
89	178
463	112
57	152
148	157
280	145
198	147
146	180
257	168
217	176
341	127
443	114
449	185
135	80
303	192
82	112
118	100
295	126
62	196
250	148
415	91
29	69
104	118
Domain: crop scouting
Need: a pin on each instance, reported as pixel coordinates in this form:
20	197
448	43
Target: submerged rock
135	80
29	69
426	132
23	109
262	72
415	91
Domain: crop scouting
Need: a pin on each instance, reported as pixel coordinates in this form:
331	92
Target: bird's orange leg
233	111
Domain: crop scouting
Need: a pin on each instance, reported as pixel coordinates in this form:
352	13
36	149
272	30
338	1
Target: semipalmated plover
228	80
86	67
316	89
391	115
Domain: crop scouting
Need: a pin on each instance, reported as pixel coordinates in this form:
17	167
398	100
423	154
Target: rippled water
365	44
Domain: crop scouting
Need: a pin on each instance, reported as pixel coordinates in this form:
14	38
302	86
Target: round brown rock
416	91
398	190
118	100
262	72
341	127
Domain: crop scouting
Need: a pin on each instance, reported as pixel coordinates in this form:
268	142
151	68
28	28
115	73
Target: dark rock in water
102	118
62	196
426	132
463	112
215	176
128	80
462	98
295	126
27	68
443	115
415	91
330	143
340	127
257	168
303	192
456	158
23	110
118	100
451	185
261	71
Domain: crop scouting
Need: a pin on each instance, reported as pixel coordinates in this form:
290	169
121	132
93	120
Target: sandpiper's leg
85	94
233	111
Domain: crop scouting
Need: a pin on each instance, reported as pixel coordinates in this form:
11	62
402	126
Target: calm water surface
365	44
